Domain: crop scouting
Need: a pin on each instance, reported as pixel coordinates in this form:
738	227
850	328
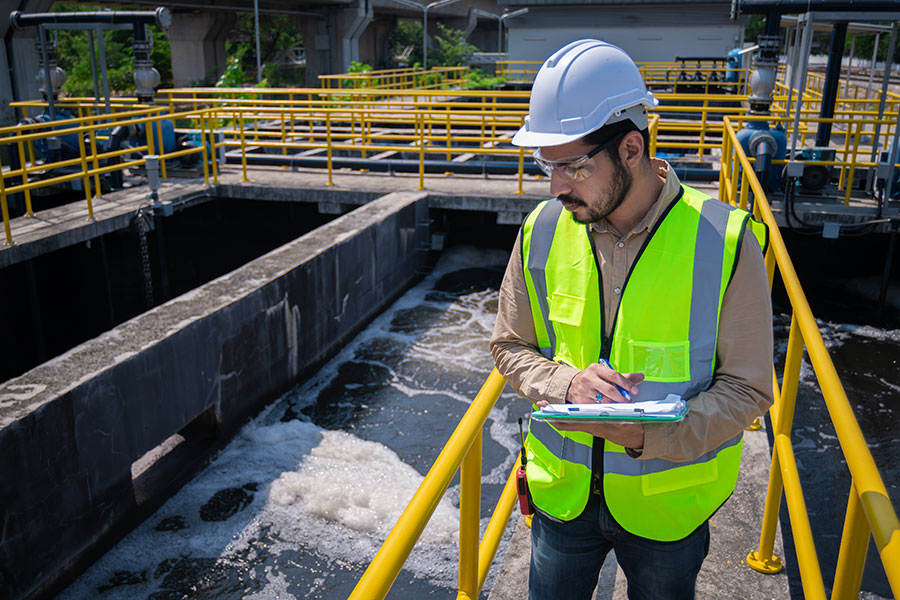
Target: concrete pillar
314	30
197	41
349	24
18	58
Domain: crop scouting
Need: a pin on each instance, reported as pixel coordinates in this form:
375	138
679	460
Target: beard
604	203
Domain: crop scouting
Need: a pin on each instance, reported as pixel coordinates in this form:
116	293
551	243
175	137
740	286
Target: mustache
568	199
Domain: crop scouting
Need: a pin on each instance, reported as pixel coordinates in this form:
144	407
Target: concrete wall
71	428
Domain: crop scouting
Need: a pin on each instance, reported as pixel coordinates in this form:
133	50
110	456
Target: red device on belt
522	479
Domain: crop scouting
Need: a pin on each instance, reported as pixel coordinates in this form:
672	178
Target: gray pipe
161	17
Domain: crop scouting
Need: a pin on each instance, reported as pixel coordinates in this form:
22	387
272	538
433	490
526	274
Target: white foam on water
362	485
328	492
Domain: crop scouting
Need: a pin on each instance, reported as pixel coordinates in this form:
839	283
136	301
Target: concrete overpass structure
335	32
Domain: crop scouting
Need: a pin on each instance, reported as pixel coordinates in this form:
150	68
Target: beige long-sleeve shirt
742	382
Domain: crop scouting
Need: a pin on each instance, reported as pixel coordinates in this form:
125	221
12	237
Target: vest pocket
677	478
566	309
661	361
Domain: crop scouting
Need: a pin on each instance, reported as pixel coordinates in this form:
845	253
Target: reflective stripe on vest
666	326
538	246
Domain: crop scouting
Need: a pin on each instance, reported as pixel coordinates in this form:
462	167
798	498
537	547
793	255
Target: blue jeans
566	558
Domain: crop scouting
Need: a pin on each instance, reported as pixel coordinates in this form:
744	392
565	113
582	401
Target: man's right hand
599	379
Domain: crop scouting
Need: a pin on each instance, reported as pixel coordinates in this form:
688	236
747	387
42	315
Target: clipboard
668	410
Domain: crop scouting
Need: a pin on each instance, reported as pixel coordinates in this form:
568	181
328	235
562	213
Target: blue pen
623	391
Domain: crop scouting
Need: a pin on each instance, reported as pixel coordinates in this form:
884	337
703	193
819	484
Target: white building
647	30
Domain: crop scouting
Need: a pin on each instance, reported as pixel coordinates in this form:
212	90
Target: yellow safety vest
665	327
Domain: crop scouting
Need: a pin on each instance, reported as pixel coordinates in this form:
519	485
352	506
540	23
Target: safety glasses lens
575	170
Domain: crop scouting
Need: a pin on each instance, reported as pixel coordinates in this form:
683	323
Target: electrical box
816	177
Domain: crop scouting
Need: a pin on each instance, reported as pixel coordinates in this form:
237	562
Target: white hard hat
585	85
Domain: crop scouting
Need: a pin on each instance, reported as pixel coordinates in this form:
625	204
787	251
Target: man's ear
631	150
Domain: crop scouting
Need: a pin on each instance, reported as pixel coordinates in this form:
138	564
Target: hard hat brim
533	139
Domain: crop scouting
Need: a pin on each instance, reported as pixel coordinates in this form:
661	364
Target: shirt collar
669	192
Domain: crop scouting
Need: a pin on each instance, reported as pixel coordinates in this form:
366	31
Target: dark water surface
866	359
298	504
300	501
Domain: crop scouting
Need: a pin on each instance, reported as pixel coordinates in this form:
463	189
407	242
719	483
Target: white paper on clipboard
671	408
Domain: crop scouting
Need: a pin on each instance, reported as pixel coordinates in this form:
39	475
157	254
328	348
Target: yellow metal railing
869	509
92	162
517	70
430	124
462	452
399	79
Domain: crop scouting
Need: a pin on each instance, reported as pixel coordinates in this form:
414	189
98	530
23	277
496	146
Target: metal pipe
832	81
161	17
850	61
886	79
104	73
94	64
48	83
402	165
794	63
872	67
258	58
801	82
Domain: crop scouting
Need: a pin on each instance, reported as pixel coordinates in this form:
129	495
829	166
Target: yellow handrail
869	506
464	448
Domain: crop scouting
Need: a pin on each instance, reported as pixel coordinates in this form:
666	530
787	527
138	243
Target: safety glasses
575	170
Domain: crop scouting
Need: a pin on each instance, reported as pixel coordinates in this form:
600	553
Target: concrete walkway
725	574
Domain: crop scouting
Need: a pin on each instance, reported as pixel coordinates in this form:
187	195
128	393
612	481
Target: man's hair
618	129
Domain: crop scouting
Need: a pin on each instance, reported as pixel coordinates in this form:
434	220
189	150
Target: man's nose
559	184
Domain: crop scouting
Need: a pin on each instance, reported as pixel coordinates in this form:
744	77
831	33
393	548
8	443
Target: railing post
162	146
214	155
763	560
5	210
93	138
244	149
852	555
520	189
29	211
86	179
470	519
328	146
201	121
420	117
703	127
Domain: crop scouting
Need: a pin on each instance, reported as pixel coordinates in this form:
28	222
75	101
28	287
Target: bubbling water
302	498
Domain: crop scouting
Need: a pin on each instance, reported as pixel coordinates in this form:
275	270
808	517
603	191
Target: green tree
453	50
73	56
404	35
277	35
866	43
755	28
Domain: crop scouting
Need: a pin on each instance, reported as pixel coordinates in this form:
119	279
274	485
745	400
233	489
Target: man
630	280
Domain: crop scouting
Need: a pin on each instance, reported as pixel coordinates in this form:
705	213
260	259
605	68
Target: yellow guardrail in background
517	70
463	452
455	124
869	509
399	79
88	165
